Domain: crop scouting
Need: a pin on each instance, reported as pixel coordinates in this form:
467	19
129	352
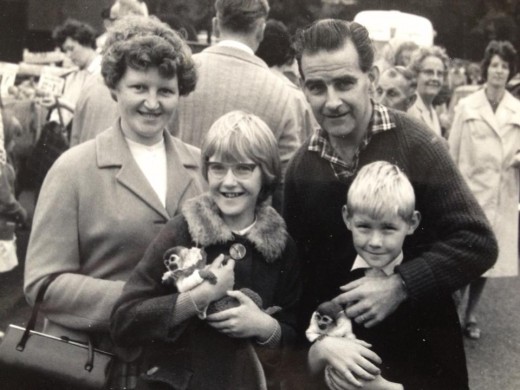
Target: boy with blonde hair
420	347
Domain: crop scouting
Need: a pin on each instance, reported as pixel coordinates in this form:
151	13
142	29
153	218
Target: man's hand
370	300
352	358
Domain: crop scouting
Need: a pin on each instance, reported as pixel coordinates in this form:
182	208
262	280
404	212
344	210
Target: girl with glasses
192	340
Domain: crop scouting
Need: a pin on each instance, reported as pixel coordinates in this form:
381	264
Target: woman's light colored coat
483	145
95	217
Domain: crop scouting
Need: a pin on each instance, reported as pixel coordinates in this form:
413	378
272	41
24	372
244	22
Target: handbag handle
89	365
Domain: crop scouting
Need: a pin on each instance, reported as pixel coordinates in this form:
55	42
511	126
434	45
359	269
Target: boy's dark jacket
192	355
421	347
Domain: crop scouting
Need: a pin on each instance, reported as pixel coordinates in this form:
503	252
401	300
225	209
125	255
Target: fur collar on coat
268	235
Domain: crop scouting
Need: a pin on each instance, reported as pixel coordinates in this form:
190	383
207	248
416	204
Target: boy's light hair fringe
381	189
240	135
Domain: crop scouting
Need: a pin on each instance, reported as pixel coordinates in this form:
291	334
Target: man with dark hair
231	77
453	245
277	51
396	88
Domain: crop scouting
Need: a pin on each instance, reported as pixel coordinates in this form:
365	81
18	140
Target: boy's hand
352	358
246	320
370	300
336	381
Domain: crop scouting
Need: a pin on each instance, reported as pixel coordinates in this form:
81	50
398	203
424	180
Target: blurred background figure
485	143
430	65
277	51
96	110
396	88
128	7
78	42
403	53
107	22
474	74
12	213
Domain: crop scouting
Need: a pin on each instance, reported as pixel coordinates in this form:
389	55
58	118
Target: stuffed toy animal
329	319
186	268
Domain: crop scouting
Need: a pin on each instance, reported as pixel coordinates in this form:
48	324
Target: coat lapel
113	151
178	178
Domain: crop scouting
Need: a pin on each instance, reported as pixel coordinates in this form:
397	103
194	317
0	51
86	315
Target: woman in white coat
485	143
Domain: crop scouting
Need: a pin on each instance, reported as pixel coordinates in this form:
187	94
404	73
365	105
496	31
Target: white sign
8	72
51	84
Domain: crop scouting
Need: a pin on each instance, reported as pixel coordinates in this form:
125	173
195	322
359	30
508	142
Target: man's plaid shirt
381	121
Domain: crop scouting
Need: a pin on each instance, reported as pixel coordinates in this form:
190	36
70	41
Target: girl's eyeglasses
219	170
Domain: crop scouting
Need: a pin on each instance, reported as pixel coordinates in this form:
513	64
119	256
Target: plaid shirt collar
381	120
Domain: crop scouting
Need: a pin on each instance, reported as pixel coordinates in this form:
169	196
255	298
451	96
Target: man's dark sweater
453	245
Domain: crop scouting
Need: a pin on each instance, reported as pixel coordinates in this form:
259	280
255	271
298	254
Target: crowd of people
212	207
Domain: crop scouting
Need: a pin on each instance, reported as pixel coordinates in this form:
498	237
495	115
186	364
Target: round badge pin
237	251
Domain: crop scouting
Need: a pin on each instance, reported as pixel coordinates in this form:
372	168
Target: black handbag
61	360
53	141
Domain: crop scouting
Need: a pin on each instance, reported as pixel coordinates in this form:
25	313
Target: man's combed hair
81	32
241	16
145	42
381	189
333	34
239	135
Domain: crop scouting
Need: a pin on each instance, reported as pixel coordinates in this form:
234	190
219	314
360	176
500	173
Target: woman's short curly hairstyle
422	53
142	43
81	32
506	51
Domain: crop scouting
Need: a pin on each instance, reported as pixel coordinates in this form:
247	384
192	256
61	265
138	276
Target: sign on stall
50	83
8	72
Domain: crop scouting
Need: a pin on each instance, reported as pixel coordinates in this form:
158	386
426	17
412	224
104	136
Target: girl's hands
205	293
246	320
351	358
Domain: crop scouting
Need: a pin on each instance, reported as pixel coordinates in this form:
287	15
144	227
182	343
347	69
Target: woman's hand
205	293
352	358
246	320
336	381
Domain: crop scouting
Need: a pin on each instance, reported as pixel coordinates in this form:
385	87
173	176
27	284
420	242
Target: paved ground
493	361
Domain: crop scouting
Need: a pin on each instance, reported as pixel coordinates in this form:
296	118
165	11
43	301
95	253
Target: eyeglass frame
434	72
233	167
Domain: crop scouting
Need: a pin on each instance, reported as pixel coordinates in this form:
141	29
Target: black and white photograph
259	194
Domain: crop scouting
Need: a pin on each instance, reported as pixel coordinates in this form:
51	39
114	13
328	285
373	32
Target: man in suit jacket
231	77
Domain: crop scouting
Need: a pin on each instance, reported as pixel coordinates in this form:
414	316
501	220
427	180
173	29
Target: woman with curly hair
430	65
104	201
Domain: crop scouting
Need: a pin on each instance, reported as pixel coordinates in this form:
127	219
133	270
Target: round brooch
237	251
